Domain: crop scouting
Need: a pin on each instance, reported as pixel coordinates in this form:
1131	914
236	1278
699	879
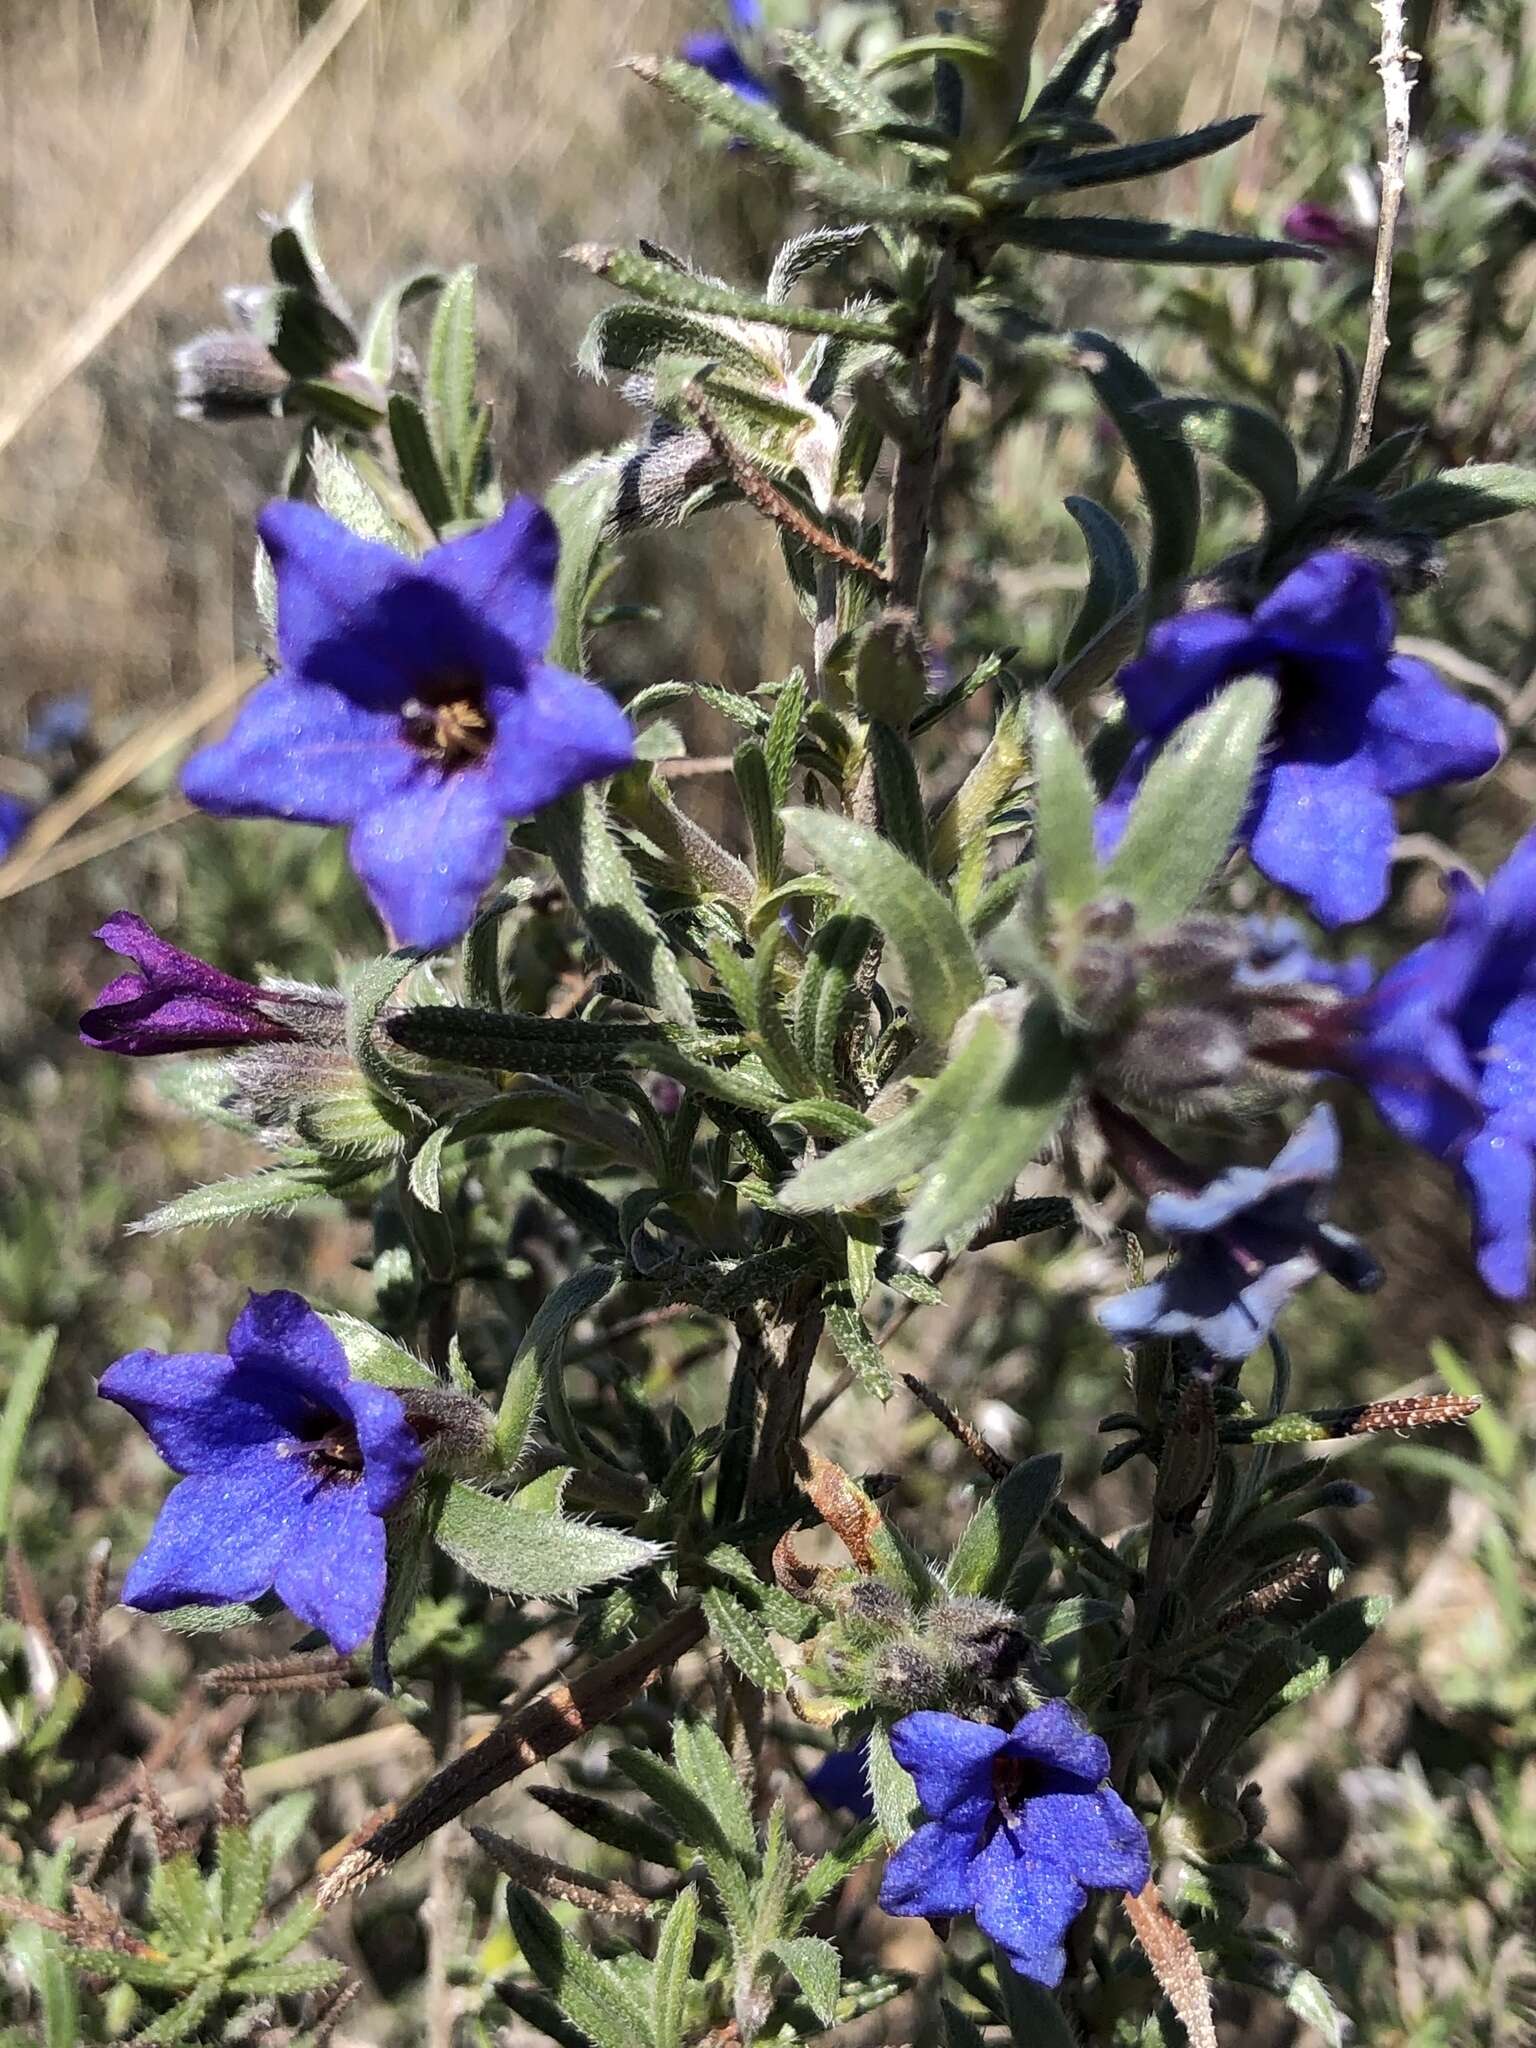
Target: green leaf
380	351
744	1640
450	381
750	766
838	87
673	1968
942	972
373	1357
305	337
1102	240
419	468
1065	804
1250	443
488	1041
1035	2019
898	794
242	1867
625	338
828	1872
1191	803
659	284
198	1620
28	1376
606	897
544	1341
1113	578
907	1144
1003	1526
859	1351
581	503
1001	1133
525	1551
1462	497
1136	159
704	1764
277	1191
829	991
342	491
817	1968
1165	469
897	1808
1308	1998
590	1992
1327	1643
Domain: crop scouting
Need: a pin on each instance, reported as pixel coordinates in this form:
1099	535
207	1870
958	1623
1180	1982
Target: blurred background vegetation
498	132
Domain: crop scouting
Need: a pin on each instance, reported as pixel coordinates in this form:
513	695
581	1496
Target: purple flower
1246	1241
1356	726
291	1466
1323	228
178	1003
16	815
1020	1827
840	1782
1446	1044
414	705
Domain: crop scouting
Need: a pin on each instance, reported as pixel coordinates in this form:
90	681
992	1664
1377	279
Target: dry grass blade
59	362
1396	63
139	751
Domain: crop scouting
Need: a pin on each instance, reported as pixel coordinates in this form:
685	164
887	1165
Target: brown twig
773	504
517	1742
535	1873
1397	65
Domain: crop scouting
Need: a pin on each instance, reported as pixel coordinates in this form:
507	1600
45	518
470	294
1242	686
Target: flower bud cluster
955	1654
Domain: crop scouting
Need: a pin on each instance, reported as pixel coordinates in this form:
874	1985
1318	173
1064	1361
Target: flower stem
917	464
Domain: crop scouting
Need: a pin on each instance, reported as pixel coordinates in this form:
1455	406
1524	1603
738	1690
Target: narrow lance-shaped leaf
526	1551
1191	805
1113	578
1250	443
938	960
998	1532
607	898
1065	803
661	285
1463	497
909	1142
999	1136
1165	468
1143	241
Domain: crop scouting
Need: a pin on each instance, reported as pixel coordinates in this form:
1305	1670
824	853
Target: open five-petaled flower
291	1466
1356	725
415	705
1446	1043
1246	1241
174	1002
1020	1827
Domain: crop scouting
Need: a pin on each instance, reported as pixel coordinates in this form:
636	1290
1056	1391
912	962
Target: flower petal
199	1408
553	733
951	1761
1500	1175
331	1573
1334	604
219	1535
505	575
1026	1906
279	1335
1052	1734
353	614
391	1453
302	750
930	1873
1185	662
1324	832
427	856
1092	1836
1419	732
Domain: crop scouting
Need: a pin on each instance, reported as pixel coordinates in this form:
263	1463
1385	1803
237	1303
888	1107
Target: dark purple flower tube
174	1002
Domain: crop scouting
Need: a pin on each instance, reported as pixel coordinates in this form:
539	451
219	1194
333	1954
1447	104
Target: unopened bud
224	375
1174	1052
890	671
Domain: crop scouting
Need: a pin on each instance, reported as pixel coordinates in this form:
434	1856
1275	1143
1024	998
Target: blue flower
173	1002
1446	1044
1356	726
719	55
291	1466
414	705
1279	957
1246	1241
1020	1827
840	1782
16	815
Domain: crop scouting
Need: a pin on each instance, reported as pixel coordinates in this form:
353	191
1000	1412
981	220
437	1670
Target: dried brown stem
1398	66
535	1873
516	1744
